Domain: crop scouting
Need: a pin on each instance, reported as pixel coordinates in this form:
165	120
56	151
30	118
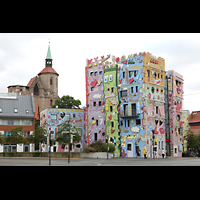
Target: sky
22	56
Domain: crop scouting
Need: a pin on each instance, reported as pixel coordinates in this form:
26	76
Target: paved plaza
100	162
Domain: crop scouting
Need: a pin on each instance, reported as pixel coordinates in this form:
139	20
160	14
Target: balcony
129	113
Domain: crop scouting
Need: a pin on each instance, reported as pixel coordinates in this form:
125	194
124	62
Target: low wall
96	155
57	154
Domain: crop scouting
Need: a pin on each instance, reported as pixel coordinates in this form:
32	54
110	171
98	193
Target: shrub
99	146
89	149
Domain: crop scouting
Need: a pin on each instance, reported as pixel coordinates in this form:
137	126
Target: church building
44	86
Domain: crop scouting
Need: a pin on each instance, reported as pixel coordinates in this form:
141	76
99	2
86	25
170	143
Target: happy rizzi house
135	100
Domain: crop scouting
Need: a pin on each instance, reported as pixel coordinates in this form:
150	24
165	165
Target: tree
193	141
39	135
62	137
16	136
67	102
1	139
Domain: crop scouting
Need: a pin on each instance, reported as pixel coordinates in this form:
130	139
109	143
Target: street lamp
153	142
107	147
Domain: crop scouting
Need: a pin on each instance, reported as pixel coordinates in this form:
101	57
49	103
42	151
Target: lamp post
69	146
107	147
153	142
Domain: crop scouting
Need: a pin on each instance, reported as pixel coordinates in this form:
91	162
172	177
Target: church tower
44	86
49	80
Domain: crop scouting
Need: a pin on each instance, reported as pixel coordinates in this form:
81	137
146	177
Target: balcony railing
129	113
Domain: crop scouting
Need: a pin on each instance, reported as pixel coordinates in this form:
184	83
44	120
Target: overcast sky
22	56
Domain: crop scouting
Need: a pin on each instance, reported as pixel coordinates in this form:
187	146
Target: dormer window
15	110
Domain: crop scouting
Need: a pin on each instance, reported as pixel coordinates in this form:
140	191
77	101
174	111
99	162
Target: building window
111	108
147	73
95	73
99	103
36	90
138	122
123	74
121	123
156	109
136	88
1	110
51	102
91	73
74	115
53	117
130	73
94	103
92	88
135	73
131	89
95	137
123	93
112	124
10	122
15	110
97	122
51	81
129	147
112	89
100	72
128	122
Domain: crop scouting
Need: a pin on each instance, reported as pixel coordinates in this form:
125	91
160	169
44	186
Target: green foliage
16	136
99	146
111	147
89	149
62	137
1	139
67	102
39	135
193	141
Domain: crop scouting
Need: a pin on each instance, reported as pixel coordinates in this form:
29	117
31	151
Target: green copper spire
49	53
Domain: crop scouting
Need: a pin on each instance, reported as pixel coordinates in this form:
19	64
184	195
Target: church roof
48	70
30	82
49	53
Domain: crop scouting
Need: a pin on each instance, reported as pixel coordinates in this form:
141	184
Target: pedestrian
163	153
139	153
145	153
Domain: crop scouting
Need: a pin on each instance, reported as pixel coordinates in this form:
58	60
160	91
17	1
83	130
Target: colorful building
185	120
95	100
149	101
110	85
55	116
141	83
175	120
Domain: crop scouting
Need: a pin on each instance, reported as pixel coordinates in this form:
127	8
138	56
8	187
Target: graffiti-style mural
55	116
110	83
175	97
95	100
185	120
130	83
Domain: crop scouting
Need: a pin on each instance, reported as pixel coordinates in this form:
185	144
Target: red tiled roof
194	118
48	70
30	82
